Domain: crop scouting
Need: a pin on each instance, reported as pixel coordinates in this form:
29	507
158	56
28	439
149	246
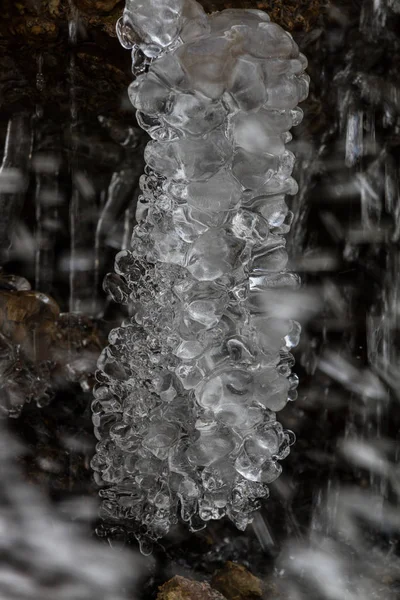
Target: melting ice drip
187	389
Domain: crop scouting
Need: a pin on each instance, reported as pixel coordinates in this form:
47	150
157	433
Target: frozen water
223	21
258	132
189	159
253	170
219	193
246	83
207	63
185	410
195	114
154	21
213	254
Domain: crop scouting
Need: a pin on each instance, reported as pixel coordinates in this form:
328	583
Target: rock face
180	588
47	48
236	582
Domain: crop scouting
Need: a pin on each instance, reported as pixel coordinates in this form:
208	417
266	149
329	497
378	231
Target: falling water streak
46	199
74	302
46	550
97	246
354	137
40	78
74	200
307	168
38	234
14	177
128	226
263	532
120	192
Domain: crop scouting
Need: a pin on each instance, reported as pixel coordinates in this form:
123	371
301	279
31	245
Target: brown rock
22	306
28	318
235	582
180	588
98	6
35	27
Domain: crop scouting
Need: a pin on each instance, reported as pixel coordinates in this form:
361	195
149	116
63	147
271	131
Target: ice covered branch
188	388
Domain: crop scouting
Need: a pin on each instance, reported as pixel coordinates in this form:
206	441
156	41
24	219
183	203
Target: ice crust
188	387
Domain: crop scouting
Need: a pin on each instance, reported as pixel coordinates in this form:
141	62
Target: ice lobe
188	387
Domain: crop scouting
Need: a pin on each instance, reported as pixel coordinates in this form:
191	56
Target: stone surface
180	588
40	39
236	582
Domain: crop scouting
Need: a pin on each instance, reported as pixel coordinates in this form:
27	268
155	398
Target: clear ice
188	386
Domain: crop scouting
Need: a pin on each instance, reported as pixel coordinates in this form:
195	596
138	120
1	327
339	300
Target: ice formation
188	387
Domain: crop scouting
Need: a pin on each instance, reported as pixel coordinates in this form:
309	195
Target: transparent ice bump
169	70
150	95
271	390
155	21
221	192
224	20
189	159
195	23
254	170
249	225
269	40
213	254
195	114
160	438
285	92
228	386
246	83
256	132
209	448
271	260
206	62
272	208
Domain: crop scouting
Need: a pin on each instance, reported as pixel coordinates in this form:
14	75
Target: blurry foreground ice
46	556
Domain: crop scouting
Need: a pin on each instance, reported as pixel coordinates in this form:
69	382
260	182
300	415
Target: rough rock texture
49	49
180	588
236	582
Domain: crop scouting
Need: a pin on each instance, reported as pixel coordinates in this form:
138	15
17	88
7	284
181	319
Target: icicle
188	388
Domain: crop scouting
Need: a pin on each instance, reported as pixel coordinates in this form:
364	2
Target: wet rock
36	27
51	33
98	6
27	318
180	588
235	582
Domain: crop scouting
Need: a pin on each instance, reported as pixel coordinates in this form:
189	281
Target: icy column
188	388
